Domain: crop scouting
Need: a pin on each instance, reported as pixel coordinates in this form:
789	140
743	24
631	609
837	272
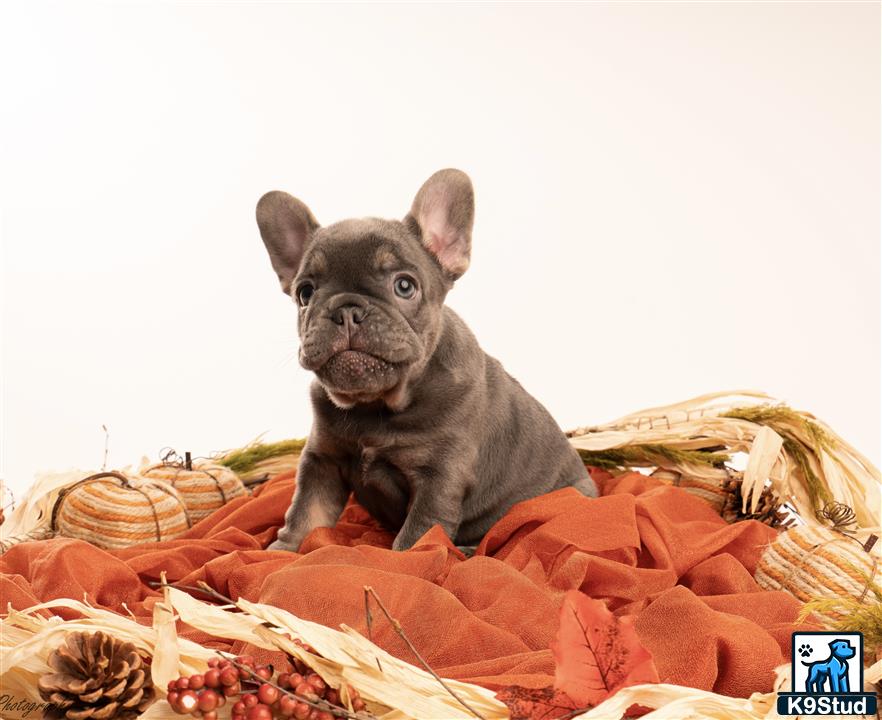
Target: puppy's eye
405	287
304	293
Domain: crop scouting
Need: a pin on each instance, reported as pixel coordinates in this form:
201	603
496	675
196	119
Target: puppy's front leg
437	504
318	501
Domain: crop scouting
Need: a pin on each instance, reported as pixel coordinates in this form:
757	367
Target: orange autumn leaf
537	704
596	653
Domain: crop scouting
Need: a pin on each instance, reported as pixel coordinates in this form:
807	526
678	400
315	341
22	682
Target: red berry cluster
202	695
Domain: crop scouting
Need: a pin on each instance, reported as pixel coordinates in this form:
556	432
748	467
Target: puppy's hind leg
318	501
586	486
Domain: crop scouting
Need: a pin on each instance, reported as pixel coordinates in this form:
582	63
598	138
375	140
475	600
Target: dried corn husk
674	702
804	462
347	657
166	651
399	690
34	512
874	673
28	637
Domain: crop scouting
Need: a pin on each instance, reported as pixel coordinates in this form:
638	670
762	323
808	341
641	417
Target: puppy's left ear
286	225
444	211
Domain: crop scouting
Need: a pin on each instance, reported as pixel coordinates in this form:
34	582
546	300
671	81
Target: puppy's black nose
352	314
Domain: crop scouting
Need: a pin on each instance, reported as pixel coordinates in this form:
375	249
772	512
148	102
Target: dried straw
399	690
799	457
346	658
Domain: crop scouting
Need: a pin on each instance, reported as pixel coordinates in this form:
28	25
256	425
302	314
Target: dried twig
106	447
573	713
398	629
369	619
204	588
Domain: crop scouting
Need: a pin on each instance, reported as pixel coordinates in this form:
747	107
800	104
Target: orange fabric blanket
643	547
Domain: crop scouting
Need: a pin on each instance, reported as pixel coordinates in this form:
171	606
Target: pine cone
96	677
770	511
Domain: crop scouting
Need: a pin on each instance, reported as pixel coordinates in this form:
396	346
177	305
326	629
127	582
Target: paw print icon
805	650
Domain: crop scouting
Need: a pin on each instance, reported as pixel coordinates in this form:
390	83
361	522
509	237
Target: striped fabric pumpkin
815	562
204	488
708	490
112	511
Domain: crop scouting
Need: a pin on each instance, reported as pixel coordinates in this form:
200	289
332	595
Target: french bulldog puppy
410	414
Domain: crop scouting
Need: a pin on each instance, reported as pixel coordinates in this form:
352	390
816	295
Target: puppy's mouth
358	373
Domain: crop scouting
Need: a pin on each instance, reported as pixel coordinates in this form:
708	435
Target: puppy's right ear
286	225
444	210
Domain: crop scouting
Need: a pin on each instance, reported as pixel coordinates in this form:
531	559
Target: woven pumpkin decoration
113	511
813	562
204	486
710	491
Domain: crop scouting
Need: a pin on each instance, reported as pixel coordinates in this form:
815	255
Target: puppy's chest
385	454
381	486
373	460
391	470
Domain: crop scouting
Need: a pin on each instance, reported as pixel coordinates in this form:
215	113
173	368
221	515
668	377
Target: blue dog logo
834	686
833	670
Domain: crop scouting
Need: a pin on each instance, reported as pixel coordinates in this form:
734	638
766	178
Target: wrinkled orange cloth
643	547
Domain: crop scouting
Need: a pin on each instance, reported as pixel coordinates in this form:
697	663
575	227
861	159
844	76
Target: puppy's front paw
402	543
467	550
282	545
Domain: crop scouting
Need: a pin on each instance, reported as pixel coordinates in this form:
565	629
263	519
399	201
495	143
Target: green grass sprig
244	460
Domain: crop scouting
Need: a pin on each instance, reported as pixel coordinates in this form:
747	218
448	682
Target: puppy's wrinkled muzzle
354	371
354	347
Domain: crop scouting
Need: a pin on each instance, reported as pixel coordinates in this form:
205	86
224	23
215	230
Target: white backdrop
671	199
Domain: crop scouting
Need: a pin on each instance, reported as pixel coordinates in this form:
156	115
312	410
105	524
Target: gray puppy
409	413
